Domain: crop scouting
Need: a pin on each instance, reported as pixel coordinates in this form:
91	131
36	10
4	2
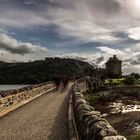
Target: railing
89	124
14	98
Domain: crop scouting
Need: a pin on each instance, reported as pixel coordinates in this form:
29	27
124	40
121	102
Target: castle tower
114	67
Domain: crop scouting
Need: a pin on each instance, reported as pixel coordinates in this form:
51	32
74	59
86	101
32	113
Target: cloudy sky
89	30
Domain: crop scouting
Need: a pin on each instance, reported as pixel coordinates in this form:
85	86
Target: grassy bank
122	81
135	137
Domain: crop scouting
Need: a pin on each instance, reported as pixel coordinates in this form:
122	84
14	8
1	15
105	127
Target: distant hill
3	64
42	71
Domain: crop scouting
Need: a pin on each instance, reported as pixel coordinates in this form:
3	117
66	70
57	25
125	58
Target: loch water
8	87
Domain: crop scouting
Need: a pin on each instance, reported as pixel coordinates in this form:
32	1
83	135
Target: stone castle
114	67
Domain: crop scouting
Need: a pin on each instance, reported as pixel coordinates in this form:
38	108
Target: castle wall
114	68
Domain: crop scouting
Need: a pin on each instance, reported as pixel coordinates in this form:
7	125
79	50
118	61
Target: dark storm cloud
121	34
109	7
125	40
99	60
19	50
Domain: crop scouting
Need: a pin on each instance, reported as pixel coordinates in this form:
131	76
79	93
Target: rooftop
114	58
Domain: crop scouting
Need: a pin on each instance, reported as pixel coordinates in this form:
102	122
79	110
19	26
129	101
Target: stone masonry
10	98
90	125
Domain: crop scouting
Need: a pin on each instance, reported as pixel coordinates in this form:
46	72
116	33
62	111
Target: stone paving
45	118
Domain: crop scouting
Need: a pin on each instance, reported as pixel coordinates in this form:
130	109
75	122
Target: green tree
129	80
135	75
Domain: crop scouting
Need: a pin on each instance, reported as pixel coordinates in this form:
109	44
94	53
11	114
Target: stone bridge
40	112
10	99
88	122
37	112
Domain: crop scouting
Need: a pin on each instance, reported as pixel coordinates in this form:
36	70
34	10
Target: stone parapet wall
90	125
9	98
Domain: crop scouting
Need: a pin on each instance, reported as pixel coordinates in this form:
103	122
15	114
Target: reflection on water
7	87
118	107
123	108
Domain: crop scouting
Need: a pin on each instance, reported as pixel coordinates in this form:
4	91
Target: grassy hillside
42	71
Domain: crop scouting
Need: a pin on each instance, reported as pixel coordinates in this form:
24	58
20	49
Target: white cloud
130	57
22	18
12	49
134	33
95	22
83	20
133	7
81	24
131	68
111	51
14	46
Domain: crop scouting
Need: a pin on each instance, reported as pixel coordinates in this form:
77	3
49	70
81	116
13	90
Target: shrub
92	97
136	137
129	81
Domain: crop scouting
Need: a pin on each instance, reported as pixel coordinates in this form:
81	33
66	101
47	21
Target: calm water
7	87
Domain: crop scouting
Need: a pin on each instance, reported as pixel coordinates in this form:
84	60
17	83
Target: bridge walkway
45	118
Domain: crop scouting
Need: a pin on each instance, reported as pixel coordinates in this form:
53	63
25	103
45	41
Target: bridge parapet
89	123
13	98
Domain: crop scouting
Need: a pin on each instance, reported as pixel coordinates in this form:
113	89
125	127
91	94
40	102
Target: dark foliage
135	75
51	69
129	80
